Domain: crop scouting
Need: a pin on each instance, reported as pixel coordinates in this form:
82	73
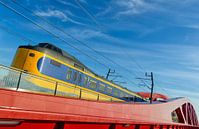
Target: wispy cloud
181	93
131	7
63	16
88	33
67	3
118	8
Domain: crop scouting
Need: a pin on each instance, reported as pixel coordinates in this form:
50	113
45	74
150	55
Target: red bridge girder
25	110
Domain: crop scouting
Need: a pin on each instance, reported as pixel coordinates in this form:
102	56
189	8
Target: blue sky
159	36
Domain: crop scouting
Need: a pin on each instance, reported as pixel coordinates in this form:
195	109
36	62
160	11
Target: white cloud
130	7
67	3
63	16
89	34
53	13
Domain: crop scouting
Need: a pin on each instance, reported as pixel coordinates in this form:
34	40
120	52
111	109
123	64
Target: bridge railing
15	79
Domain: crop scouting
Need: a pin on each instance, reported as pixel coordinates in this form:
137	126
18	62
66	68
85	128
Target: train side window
55	63
136	99
109	89
126	95
132	98
93	84
86	80
116	92
80	78
101	87
121	94
75	76
68	75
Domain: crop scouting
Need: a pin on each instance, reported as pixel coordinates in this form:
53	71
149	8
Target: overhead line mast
149	77
94	19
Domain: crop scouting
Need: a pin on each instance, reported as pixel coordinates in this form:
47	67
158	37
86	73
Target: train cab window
109	90
93	84
101	87
69	74
55	63
75	75
86	79
31	54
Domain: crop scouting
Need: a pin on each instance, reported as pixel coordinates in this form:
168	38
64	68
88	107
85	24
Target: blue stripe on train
59	72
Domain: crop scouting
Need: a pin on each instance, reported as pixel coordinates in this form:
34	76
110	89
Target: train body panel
20	58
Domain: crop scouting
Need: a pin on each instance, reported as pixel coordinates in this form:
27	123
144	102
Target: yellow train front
63	72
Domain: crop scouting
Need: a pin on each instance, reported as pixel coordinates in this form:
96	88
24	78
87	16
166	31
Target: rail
16	79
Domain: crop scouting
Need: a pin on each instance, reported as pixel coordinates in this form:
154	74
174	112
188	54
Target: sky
134	36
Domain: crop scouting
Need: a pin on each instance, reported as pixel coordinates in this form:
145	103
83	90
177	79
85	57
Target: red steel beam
59	112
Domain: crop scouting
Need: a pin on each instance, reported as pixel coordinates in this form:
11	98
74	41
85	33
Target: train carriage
51	62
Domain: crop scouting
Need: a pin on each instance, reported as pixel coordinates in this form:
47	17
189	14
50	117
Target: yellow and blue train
51	62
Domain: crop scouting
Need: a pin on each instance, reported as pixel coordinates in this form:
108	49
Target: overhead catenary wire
72	37
163	89
94	19
30	40
63	31
16	34
56	36
50	33
88	13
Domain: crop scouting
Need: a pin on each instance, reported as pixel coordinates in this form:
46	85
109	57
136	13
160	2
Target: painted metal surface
156	96
44	110
72	125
